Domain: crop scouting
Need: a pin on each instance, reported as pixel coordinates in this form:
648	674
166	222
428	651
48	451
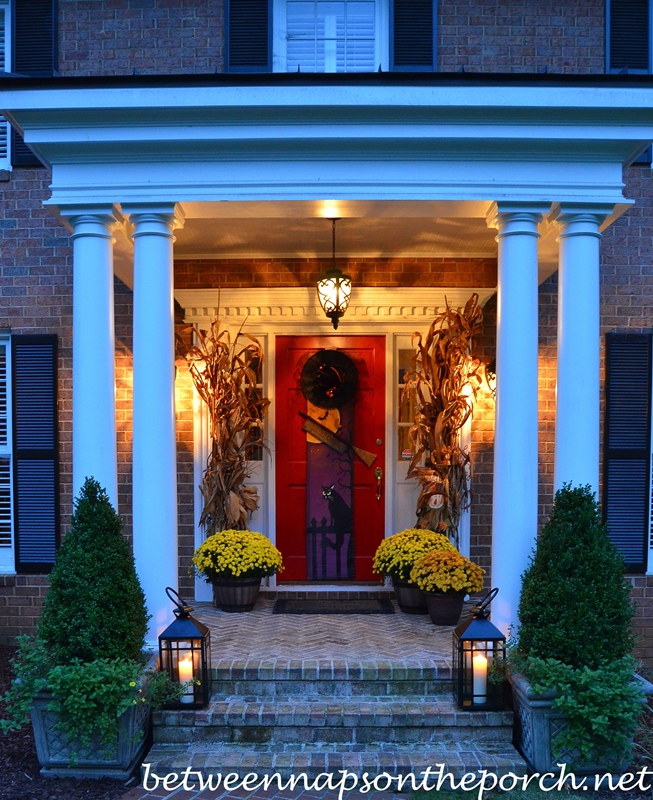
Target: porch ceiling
298	230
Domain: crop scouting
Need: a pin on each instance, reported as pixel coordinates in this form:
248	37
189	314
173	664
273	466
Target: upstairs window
328	36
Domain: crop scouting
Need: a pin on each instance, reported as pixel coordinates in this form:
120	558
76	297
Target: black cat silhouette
341	516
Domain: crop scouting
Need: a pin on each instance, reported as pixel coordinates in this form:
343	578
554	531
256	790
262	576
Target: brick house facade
181	37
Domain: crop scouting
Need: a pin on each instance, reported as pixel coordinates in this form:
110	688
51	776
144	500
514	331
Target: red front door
368	353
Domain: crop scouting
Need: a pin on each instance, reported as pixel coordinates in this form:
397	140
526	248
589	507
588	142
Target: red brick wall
627	305
36	292
116	37
522	36
235	273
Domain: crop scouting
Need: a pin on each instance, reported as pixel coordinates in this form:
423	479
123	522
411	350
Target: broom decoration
329	438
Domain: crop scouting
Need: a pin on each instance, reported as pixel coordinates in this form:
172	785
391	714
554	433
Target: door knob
378	474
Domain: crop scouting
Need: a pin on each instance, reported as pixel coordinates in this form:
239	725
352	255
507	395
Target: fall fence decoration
225	374
442	387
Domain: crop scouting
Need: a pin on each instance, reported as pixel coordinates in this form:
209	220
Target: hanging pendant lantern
334	288
477	646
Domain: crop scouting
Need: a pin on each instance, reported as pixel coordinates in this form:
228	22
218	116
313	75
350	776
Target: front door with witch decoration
329	455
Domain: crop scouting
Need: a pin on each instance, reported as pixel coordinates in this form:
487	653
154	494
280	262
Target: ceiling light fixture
334	288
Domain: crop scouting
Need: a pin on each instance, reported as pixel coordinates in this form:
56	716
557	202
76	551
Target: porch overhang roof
215	138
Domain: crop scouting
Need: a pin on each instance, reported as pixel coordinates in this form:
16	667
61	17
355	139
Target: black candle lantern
185	654
477	645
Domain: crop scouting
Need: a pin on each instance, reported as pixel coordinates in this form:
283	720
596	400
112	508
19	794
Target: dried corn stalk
443	385
225	375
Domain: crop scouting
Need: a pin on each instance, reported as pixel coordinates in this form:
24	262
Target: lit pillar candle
186	675
479	665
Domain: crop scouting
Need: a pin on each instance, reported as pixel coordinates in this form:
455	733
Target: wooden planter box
536	724
118	761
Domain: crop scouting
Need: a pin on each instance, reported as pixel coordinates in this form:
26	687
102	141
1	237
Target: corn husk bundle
444	382
225	376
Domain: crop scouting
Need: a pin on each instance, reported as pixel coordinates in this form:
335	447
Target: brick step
456	758
331	678
307	719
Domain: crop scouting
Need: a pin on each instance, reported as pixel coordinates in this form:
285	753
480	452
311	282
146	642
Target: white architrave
514	509
94	398
578	380
154	482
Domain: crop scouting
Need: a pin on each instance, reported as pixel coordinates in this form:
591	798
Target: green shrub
95	608
575	635
575	604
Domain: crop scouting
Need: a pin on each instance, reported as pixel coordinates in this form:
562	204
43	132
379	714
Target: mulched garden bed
19	768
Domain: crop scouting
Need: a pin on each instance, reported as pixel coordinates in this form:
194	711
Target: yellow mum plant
397	554
444	571
233	554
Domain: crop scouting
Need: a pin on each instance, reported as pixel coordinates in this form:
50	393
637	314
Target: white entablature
399	305
207	138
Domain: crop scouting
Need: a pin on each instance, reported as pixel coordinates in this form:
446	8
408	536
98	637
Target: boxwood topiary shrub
95	607
575	604
575	635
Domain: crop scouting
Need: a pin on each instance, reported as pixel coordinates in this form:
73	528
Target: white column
514	511
577	391
94	391
154	443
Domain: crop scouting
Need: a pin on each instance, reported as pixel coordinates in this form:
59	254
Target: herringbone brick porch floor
261	636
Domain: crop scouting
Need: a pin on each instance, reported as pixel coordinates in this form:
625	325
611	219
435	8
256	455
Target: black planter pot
445	608
235	595
410	598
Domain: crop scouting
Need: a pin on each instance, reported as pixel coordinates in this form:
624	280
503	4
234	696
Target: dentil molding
300	304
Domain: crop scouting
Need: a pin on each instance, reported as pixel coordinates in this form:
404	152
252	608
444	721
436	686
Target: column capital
580	219
154	219
514	217
93	219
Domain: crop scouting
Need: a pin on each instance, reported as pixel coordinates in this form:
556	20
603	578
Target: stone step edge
213	758
266	715
324	670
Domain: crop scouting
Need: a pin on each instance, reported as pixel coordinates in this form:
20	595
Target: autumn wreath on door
329	382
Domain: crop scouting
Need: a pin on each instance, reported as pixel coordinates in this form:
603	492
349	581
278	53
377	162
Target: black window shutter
627	445
628	35
35	448
412	35
249	35
35	52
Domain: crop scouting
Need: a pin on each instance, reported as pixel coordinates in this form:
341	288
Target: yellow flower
232	553
441	571
396	555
